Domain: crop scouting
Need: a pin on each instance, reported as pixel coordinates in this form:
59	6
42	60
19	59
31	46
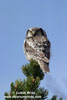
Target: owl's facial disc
40	32
35	32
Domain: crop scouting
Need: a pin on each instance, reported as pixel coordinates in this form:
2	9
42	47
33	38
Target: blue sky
16	16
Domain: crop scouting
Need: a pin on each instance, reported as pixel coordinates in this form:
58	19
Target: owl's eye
39	33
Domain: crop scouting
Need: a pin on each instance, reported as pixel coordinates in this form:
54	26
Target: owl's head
35	31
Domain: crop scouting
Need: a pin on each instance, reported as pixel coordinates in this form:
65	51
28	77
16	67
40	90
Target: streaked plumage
37	47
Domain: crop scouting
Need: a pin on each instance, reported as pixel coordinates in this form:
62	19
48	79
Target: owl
37	47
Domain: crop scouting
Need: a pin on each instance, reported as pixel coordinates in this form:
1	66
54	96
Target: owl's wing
42	44
36	48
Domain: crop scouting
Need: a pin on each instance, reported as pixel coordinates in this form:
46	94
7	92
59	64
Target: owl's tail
44	66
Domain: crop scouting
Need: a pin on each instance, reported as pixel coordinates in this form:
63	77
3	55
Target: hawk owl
37	47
